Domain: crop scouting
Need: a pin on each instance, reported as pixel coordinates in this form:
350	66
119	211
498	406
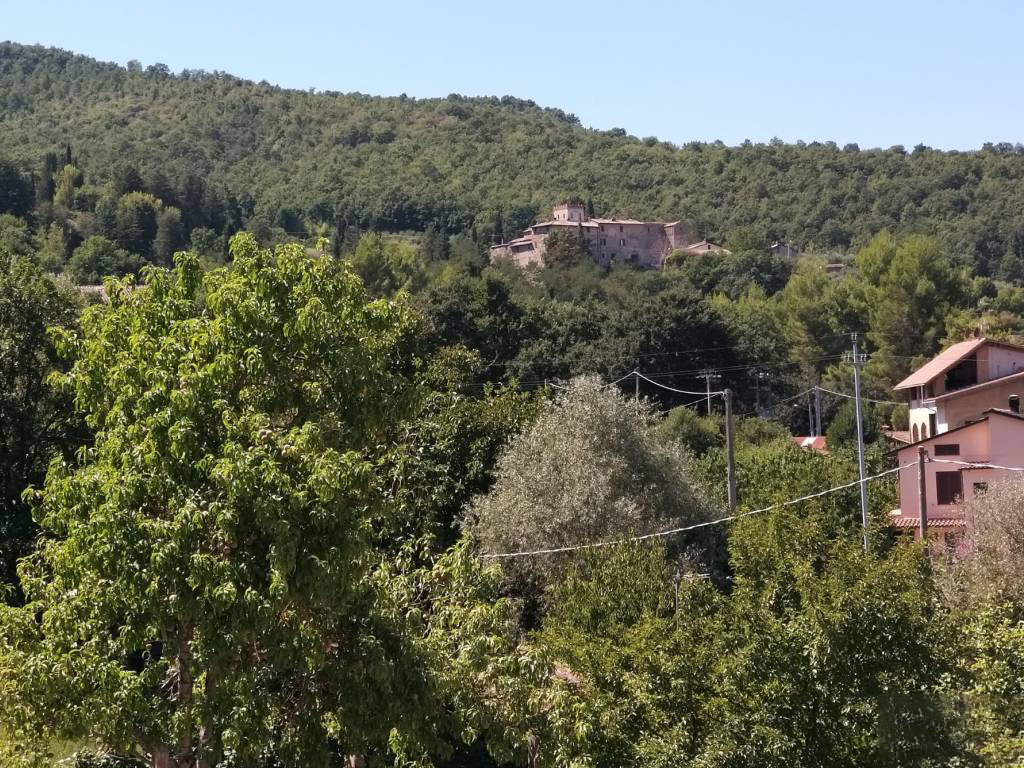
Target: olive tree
588	469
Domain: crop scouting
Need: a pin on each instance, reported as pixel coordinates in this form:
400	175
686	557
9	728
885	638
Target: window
980	488
947	449
620	228
603	241
949	487
932	425
602	227
621	241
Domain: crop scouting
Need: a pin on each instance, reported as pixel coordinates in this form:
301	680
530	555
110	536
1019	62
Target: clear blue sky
942	73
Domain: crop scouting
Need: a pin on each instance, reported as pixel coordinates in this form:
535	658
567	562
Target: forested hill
295	159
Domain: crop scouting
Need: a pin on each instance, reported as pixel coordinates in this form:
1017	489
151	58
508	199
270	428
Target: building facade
965	412
611	241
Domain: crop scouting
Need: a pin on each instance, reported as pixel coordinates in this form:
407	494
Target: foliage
564	248
683	426
229	482
36	422
387	266
842	432
587	470
98	258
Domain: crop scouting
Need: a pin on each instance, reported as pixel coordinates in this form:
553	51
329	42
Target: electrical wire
695	526
712	393
976	464
865	399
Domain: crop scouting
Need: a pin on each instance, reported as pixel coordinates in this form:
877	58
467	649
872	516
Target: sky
941	73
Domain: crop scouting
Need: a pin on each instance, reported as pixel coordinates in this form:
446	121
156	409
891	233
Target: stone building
611	241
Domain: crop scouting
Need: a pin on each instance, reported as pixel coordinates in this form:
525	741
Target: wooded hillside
398	163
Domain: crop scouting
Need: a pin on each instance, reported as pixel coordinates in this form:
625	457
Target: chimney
1014	401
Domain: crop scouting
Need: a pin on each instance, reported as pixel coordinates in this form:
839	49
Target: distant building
960	383
965	411
706	246
611	241
782	248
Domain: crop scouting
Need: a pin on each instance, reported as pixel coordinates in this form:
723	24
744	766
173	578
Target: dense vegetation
226	153
257	493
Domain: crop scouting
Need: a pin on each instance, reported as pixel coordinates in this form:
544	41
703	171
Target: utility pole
768	390
857	360
922	495
708	375
817	411
810	415
730	456
636	389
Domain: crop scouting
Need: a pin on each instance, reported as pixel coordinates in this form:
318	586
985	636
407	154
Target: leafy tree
15	238
36	422
843	429
65	182
136	221
170	235
16	195
387	266
206	582
565	248
685	427
587	470
51	248
98	258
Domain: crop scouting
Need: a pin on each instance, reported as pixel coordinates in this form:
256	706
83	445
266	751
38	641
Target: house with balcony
965	413
960	383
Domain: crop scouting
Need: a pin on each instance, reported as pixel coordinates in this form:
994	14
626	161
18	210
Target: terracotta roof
899	435
628	221
933	522
941	363
817	444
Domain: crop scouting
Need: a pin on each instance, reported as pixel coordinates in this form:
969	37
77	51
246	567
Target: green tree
387	265
565	247
136	220
15	238
65	182
98	258
16	195
205	563
36	422
586	471
684	427
170	235
51	248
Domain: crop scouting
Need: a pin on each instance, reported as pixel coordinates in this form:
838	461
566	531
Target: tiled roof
818	444
941	363
933	522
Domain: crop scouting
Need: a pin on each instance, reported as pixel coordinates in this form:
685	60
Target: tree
36	421
16	195
15	239
65	182
564	248
136	220
98	258
586	471
51	248
170	235
843	429
387	265
684	427
205	562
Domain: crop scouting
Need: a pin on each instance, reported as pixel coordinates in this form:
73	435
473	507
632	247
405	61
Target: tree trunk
186	752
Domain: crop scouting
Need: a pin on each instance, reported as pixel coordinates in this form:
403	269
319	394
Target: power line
695	526
713	393
976	464
864	399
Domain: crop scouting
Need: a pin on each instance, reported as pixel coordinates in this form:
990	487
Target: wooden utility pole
922	495
729	451
636	389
